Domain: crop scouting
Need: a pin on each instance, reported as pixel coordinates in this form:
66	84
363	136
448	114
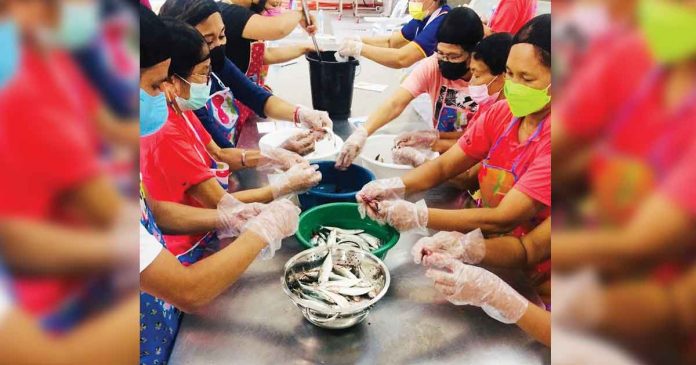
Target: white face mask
479	93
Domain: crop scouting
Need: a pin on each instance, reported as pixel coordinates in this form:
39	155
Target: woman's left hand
464	284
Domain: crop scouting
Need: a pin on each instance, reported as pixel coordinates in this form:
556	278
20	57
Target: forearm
238	158
382	116
424	177
44	248
607	250
258	195
111	338
490	220
382	41
536	322
179	219
278	108
286	23
505	251
390	57
275	55
123	132
442	145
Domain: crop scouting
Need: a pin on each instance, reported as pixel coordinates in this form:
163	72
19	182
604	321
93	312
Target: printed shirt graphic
453	108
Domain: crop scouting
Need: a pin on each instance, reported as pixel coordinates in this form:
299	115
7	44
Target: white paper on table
370	86
272	126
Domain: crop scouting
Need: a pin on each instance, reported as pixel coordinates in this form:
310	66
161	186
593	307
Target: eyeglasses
207	78
456	58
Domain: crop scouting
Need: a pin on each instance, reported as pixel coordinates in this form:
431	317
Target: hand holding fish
233	215
279	220
469	248
375	192
404	215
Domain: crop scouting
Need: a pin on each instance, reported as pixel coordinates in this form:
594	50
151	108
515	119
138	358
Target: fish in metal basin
334	283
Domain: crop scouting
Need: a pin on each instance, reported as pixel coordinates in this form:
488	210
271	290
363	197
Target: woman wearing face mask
414	42
487	66
512	140
176	162
443	77
221	117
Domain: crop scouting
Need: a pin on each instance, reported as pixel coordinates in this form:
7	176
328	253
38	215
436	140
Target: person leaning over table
175	164
415	41
512	140
220	116
465	284
484	88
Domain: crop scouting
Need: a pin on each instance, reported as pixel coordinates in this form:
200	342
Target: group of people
490	91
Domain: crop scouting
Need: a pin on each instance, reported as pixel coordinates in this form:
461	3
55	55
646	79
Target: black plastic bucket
332	83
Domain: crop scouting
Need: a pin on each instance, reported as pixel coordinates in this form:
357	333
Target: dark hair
187	45
189	11
154	39
493	51
442	2
537	32
462	26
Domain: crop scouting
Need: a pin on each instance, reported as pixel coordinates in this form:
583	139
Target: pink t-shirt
511	15
453	108
534	167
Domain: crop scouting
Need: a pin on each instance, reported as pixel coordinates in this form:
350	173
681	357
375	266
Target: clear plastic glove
350	48
233	215
278	221
351	148
373	193
469	248
298	179
273	159
419	139
313	119
410	156
404	215
302	143
464	284
577	299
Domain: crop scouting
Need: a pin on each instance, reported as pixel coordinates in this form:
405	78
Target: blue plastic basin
336	185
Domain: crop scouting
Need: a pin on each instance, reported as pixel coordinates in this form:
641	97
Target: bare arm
278	108
173	218
515	209
44	248
123	132
522	252
437	171
388	111
111	338
275	55
96	201
210	192
190	288
233	156
272	28
659	229
394	40
536	322
394	57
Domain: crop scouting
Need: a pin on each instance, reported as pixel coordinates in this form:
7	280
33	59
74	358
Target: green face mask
669	29
524	100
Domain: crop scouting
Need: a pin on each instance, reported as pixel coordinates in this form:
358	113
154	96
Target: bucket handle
358	68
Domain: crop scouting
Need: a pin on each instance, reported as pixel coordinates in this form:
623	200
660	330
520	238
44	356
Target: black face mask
258	8
217	58
453	71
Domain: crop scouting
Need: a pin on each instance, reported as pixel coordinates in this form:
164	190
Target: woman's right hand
417	139
351	148
374	192
302	143
278	221
298	179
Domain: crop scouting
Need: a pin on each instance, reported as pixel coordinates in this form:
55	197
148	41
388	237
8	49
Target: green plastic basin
344	215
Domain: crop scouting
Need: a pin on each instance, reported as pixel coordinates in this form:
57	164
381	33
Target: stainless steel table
255	323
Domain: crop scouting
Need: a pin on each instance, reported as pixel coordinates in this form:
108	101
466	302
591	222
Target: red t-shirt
171	161
534	166
47	147
511	15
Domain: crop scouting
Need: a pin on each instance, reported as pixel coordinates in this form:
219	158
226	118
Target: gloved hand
233	215
469	248
578	300
418	139
279	220
410	156
273	159
350	48
375	192
464	284
313	119
351	148
404	215
302	143
296	180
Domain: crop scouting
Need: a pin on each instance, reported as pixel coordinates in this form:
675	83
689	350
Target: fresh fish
345	283
342	230
354	291
332	238
358	238
336	298
326	269
344	272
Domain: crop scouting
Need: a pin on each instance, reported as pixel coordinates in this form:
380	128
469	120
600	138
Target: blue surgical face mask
79	23
198	95
153	112
9	50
